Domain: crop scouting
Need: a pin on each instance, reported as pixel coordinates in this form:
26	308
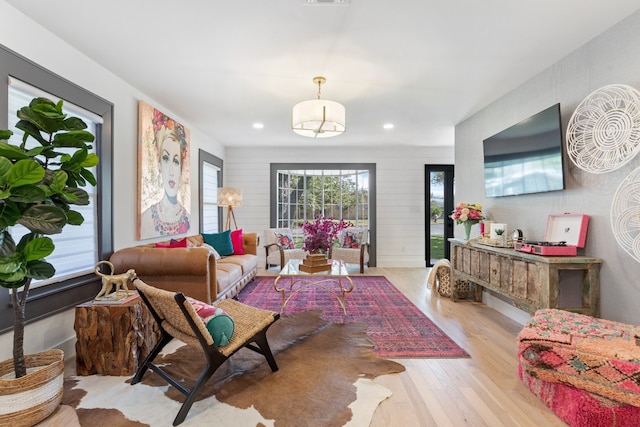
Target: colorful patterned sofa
584	359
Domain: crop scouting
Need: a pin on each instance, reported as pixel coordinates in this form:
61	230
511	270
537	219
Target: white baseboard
505	308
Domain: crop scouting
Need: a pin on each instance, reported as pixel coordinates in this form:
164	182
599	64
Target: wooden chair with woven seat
177	318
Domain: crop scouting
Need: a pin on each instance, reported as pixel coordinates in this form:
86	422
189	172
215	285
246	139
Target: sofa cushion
274	257
247	262
227	273
221	242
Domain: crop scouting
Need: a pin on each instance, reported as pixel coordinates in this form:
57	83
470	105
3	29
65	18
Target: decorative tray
495	242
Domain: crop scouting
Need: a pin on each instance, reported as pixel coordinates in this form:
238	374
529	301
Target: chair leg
164	340
263	343
197	388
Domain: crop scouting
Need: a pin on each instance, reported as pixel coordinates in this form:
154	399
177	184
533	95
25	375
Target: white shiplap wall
400	191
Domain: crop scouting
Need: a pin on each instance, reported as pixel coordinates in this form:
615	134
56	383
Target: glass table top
292	268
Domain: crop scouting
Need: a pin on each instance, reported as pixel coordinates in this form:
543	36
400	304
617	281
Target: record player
565	233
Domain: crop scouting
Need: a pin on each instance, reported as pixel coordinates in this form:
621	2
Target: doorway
438	225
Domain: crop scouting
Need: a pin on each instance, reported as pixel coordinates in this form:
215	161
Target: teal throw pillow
221	242
219	324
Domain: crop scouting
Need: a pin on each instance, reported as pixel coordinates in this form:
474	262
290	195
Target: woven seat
177	318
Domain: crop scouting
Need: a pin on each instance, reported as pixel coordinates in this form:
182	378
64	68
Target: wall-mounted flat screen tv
525	158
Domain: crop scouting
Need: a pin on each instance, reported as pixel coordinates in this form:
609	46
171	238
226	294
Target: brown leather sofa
193	270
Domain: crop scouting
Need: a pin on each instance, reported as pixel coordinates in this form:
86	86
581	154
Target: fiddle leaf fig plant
39	183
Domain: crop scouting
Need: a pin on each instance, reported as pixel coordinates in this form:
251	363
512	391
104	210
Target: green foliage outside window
304	195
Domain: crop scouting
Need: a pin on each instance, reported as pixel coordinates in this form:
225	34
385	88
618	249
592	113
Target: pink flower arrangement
471	212
320	234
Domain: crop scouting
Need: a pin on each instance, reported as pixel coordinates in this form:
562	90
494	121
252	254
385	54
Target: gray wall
611	58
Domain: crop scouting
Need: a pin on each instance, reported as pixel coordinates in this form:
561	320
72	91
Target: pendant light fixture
318	118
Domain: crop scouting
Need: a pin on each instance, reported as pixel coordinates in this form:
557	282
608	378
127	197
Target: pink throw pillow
236	242
173	244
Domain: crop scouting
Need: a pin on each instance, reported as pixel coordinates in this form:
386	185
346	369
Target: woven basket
30	399
443	277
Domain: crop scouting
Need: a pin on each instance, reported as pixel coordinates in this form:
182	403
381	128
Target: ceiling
423	65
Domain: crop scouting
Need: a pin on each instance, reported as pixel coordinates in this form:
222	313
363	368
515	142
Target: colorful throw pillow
173	244
285	240
219	324
353	238
221	242
236	242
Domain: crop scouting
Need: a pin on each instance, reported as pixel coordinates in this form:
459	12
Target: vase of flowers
467	214
320	234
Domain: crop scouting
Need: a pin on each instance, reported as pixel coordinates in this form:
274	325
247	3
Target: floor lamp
230	198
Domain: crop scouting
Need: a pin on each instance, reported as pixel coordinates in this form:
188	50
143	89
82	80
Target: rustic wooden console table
530	281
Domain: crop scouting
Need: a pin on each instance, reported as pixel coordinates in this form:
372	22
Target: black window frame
370	167
57	297
205	157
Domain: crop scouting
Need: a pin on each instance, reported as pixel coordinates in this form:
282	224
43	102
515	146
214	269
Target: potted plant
320	234
39	183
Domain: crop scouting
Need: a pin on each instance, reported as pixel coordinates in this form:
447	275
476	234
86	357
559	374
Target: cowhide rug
325	379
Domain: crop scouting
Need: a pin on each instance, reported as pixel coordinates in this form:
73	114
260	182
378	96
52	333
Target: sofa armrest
250	242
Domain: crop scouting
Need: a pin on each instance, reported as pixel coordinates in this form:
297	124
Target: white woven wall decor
625	214
604	131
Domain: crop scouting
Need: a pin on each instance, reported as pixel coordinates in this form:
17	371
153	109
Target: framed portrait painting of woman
164	196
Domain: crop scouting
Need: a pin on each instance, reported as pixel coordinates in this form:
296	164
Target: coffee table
291	280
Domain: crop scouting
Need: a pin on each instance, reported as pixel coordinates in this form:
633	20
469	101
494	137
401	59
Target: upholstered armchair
353	247
280	247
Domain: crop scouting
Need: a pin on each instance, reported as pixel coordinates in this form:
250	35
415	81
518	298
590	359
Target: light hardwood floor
483	390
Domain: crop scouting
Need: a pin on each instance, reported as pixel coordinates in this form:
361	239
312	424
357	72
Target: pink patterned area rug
398	328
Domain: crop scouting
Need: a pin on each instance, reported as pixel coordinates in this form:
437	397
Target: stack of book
315	263
119	297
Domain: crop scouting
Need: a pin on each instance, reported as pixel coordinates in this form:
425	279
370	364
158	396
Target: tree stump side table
113	339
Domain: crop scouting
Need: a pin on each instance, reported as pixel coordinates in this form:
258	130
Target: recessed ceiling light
258	125
388	126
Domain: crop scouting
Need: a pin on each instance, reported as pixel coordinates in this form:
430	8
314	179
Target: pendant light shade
318	118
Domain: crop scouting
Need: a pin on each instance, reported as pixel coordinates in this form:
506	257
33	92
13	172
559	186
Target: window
300	192
210	179
72	285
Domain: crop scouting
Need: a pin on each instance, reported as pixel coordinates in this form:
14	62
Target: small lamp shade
229	196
